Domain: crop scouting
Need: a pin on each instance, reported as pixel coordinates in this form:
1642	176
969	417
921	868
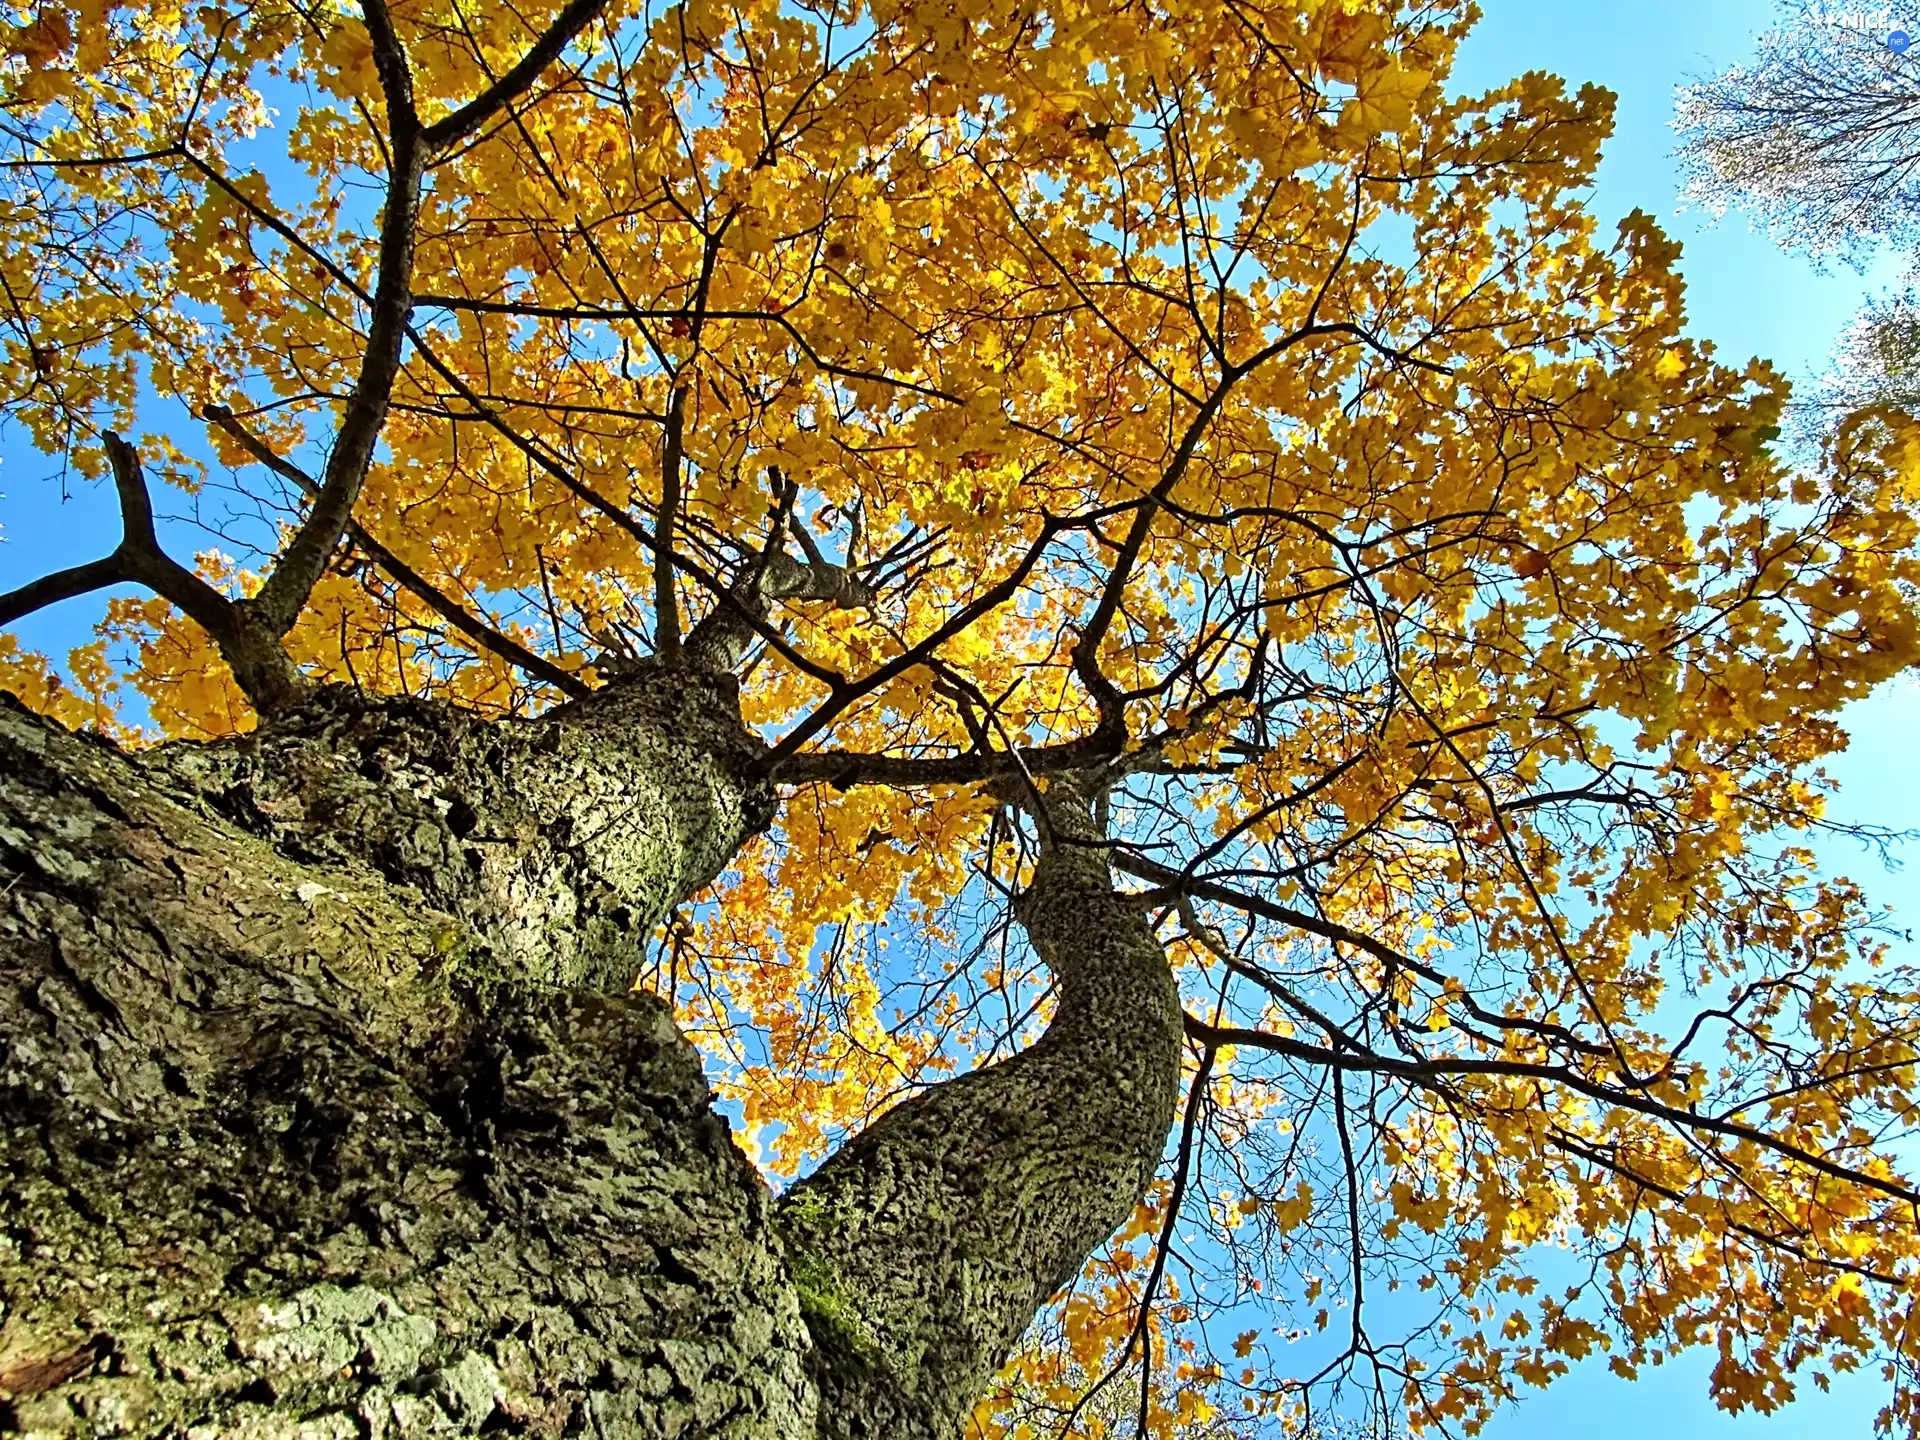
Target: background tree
1819	141
1184	680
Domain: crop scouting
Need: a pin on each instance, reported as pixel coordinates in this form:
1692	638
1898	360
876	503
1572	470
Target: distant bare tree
1818	139
1878	359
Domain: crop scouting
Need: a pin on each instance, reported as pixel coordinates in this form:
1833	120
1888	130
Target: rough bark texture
561	841
327	1112
925	1245
287	1151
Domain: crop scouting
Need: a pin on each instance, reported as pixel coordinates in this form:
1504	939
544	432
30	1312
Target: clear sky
1743	293
1750	299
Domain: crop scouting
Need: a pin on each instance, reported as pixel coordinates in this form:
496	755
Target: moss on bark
289	1152
329	1113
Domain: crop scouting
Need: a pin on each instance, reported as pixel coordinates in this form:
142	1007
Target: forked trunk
328	1111
925	1245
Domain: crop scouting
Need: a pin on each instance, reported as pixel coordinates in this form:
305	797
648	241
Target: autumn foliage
1210	383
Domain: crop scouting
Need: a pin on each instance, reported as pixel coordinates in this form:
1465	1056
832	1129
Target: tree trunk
329	1111
302	1144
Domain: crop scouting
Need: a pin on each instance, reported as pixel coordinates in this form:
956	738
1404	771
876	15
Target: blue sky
1743	293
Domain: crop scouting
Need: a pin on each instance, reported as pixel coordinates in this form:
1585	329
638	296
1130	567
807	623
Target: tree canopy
1204	392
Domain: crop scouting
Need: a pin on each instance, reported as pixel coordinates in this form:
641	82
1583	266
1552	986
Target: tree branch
61	585
643	534
1425	1071
1180	883
666	603
719	640
411	147
846	768
482	635
284	594
260	663
517	81
988	601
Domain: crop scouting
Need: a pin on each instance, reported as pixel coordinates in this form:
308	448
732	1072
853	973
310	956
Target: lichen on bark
330	1112
561	841
288	1153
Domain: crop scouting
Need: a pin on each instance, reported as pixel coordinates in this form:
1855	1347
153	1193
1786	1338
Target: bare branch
61	585
260	663
1180	883
1625	1097
666	603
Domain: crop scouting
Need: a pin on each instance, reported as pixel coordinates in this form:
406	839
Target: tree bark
329	1111
304	1141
